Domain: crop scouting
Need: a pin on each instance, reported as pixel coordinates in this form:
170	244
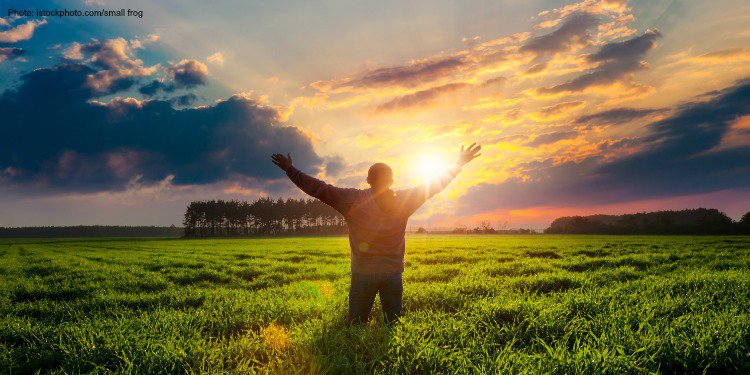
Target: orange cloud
421	98
557	111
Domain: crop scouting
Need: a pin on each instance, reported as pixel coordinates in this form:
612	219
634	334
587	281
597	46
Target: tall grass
473	304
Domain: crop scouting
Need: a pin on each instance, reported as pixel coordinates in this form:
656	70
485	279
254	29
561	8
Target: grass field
473	304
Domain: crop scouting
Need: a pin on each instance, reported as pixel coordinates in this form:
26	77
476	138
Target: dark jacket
376	236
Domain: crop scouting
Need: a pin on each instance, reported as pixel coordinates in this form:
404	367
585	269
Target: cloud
153	87
573	33
335	165
497	81
614	144
628	50
74	52
615	60
21	32
427	97
679	156
420	98
553	137
614	5
579	26
16	34
515	138
410	75
188	73
181	75
216	58
117	67
560	108
616	116
185	100
10	53
536	68
80	144
550	18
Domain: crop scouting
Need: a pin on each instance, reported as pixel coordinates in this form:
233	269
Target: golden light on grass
326	288
277	337
317	288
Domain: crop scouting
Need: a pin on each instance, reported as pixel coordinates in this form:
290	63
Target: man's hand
468	154
283	162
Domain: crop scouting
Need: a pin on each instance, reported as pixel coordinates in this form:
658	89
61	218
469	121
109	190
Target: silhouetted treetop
263	217
692	221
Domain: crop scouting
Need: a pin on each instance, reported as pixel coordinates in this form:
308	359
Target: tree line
90	231
703	221
262	217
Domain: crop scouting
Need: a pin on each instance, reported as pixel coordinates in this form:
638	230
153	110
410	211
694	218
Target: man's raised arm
338	198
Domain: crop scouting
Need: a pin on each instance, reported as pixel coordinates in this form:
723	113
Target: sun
430	165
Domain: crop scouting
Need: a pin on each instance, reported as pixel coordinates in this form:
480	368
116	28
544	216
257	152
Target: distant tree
693	221
744	223
421	230
460	229
503	226
487	227
264	216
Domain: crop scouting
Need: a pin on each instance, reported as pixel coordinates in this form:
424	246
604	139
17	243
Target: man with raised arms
377	219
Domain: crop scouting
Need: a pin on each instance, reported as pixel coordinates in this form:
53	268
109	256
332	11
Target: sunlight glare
431	165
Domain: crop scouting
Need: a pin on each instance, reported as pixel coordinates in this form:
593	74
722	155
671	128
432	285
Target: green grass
473	304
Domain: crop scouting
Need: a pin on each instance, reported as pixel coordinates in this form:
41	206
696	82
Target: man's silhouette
377	219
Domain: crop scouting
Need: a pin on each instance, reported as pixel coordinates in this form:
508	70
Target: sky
589	107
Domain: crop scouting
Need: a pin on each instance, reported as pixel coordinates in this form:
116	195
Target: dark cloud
182	75
57	137
420	98
189	73
10	53
629	50
574	31
153	87
615	144
185	100
335	165
536	68
559	108
680	156
549	138
616	60
616	116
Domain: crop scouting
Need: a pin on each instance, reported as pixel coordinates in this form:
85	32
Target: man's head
380	176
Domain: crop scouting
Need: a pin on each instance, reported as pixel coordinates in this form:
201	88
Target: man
377	219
